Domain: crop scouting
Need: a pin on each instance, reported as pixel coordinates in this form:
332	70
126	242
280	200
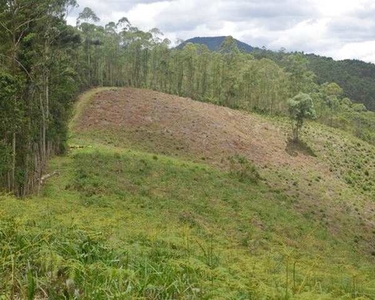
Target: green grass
124	224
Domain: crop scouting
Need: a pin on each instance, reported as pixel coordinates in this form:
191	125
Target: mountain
214	43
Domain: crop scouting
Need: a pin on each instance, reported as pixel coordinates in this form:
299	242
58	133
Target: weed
243	169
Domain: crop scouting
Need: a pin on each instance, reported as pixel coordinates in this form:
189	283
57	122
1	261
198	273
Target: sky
341	29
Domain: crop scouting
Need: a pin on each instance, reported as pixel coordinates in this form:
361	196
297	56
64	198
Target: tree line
38	79
44	63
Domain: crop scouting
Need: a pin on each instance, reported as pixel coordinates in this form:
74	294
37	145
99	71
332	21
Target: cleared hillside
159	199
169	125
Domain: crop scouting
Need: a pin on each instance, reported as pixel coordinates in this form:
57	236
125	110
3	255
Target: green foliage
301	107
9	110
301	78
242	168
359	107
229	45
333	89
88	15
346	103
5	159
355	77
37	85
142	227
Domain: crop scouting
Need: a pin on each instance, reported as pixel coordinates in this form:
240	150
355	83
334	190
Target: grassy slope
120	222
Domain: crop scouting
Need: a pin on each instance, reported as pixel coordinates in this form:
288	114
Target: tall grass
121	224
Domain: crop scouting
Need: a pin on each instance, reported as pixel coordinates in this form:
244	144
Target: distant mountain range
214	43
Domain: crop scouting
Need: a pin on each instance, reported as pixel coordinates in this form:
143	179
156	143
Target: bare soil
174	125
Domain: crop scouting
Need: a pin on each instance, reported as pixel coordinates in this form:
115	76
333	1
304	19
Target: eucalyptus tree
29	34
231	66
332	93
301	78
189	53
203	68
16	17
301	107
90	35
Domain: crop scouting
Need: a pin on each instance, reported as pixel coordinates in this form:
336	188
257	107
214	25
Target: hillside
214	43
356	77
162	197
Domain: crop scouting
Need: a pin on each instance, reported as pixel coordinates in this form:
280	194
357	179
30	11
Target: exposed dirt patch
171	125
293	148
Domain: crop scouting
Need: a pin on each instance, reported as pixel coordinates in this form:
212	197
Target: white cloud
361	50
338	28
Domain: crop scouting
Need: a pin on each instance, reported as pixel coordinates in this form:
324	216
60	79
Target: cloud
350	29
338	28
358	50
267	9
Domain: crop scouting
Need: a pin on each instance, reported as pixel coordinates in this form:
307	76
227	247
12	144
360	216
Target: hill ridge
213	43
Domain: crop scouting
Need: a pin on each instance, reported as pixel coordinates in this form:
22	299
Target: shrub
242	168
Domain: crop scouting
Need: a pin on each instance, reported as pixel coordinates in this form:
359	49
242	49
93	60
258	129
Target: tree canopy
301	107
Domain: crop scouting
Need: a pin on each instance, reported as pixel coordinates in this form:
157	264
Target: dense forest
356	78
45	63
38	81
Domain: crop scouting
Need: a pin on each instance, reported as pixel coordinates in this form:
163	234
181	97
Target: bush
242	168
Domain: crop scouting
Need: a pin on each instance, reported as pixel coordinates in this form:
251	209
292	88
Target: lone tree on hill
301	107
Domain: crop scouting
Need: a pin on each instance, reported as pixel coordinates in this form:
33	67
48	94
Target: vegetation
44	63
38	82
301	107
354	76
120	223
119	217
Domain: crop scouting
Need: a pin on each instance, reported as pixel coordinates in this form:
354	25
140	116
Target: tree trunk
13	171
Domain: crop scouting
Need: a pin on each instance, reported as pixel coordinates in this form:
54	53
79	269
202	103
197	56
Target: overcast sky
337	28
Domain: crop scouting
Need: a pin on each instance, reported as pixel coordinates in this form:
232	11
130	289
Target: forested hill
214	43
355	77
